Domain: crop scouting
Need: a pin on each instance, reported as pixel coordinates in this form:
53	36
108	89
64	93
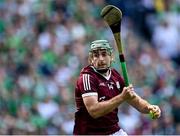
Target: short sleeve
87	85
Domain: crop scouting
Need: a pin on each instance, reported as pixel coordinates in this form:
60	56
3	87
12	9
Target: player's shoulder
87	73
114	71
86	70
117	75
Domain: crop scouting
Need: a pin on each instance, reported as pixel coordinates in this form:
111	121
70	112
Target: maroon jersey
90	82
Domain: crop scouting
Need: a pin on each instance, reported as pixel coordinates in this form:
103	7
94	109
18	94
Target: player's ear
90	61
112	58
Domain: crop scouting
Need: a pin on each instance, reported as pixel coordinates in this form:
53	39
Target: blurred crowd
44	44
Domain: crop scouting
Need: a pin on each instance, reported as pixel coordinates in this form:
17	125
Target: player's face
101	59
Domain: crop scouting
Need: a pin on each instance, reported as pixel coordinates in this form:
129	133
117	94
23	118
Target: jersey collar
106	77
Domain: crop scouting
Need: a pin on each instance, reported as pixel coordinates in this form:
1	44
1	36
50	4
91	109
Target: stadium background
44	44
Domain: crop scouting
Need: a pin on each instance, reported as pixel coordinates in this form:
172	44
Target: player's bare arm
97	109
143	106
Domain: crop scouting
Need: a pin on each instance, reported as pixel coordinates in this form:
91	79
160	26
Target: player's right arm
94	107
97	109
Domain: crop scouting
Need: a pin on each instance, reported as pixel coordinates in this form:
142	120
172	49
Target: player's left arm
144	107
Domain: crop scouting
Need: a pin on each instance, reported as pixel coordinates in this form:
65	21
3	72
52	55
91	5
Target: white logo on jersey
118	84
102	84
110	86
102	98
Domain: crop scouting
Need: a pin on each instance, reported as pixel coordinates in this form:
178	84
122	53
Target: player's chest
108	89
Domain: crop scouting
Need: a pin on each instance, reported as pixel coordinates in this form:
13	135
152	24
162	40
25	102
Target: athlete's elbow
94	114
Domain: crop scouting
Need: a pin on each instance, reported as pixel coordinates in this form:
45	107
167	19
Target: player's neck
106	73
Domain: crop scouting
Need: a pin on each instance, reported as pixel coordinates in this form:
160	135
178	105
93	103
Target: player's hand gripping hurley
112	15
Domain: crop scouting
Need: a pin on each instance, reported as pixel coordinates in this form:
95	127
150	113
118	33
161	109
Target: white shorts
120	133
